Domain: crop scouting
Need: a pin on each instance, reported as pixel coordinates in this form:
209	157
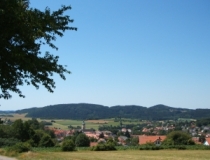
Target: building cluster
150	134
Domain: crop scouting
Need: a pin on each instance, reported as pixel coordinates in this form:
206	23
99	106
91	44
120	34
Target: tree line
30	131
22	136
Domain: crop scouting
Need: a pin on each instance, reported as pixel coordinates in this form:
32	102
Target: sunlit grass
118	155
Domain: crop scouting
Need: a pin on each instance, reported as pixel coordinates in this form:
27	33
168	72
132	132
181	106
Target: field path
6	158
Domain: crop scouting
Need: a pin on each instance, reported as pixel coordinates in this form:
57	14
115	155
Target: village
148	132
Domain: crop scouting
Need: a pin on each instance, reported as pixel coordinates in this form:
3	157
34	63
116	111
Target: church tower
83	125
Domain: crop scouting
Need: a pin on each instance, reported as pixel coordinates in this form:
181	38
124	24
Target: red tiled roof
91	135
146	139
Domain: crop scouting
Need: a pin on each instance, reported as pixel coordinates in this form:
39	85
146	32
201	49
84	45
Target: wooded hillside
93	111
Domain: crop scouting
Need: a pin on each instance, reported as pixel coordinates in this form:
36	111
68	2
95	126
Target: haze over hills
7	112
94	111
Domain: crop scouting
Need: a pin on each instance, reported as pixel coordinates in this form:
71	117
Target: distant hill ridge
7	112
94	111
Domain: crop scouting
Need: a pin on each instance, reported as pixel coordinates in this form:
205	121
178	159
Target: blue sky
129	52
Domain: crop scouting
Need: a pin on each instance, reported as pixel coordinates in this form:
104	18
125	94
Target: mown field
118	155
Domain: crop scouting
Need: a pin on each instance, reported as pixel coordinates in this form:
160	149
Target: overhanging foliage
22	32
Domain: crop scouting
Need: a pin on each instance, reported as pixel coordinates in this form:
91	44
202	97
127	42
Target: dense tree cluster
68	145
178	138
203	122
31	132
78	139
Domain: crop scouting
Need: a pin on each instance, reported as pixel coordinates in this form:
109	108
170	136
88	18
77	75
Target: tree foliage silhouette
23	30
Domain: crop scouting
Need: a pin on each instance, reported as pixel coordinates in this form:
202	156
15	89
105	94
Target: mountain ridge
95	111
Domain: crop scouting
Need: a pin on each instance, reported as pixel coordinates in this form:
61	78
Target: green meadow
64	123
93	123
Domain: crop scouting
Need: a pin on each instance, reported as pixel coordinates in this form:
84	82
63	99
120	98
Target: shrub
150	147
20	147
82	140
36	138
68	145
46	141
178	138
127	147
180	147
6	142
103	147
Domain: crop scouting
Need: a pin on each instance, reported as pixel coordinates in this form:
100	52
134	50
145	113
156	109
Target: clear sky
129	52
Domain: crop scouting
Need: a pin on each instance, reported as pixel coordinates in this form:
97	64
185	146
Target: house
93	135
101	140
92	144
157	140
122	140
107	134
196	140
145	130
207	141
125	130
60	134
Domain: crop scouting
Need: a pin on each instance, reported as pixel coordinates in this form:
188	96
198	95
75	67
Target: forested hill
93	111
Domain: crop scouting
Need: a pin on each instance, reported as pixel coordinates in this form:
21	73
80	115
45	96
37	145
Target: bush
178	138
20	147
127	147
181	147
6	142
103	147
150	147
46	141
68	145
37	137
82	140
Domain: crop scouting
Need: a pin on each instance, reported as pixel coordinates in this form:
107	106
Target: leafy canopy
22	32
68	145
178	138
82	140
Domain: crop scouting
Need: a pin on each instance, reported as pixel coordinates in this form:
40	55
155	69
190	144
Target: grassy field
64	123
93	123
15	117
118	155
